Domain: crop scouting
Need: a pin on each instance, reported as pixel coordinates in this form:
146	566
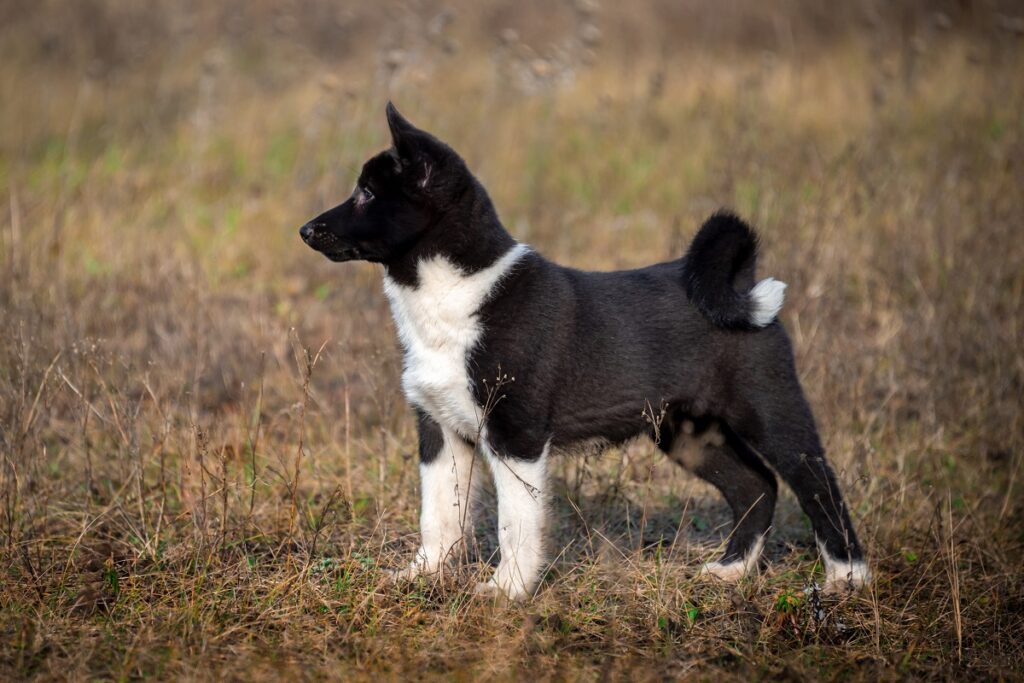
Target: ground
208	466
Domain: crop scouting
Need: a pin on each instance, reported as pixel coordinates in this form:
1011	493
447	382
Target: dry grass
206	460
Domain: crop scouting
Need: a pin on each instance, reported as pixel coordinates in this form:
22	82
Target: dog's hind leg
784	434
448	480
747	485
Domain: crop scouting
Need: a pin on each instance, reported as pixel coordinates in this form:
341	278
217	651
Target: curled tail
718	273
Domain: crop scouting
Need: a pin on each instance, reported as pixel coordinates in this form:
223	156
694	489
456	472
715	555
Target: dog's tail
718	272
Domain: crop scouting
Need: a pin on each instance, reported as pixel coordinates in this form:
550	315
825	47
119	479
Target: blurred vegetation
205	459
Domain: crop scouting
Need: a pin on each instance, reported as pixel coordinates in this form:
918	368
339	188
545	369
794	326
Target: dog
512	357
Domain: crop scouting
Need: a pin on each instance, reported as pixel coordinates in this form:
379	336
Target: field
206	463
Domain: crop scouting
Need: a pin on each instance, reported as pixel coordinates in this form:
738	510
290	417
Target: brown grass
206	459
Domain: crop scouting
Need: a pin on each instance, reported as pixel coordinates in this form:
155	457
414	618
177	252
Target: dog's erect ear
415	149
402	132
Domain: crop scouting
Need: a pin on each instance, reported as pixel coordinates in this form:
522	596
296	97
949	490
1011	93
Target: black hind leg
784	434
747	485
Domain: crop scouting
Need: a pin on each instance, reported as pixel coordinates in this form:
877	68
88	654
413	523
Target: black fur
590	353
430	436
719	270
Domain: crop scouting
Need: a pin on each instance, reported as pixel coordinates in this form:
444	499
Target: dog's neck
470	236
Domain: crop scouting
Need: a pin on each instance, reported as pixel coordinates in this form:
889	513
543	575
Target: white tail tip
766	297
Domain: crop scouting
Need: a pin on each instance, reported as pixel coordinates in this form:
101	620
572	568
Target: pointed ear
401	131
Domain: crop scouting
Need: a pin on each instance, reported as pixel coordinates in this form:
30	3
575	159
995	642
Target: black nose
307	231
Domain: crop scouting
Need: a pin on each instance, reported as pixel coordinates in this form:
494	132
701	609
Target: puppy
513	357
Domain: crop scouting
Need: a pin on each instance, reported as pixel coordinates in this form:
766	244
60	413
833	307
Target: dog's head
400	195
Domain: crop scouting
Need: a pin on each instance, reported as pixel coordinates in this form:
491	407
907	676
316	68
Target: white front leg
522	487
447	484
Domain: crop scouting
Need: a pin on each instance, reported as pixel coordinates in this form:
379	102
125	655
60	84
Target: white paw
506	583
407	574
737	569
845	577
489	590
420	566
730	573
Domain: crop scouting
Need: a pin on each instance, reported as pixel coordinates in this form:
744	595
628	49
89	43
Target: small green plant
788	602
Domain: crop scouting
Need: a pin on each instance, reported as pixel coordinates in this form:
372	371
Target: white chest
438	326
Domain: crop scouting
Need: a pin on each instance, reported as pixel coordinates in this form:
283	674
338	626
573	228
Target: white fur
734	571
522	489
438	327
843	575
766	296
448	485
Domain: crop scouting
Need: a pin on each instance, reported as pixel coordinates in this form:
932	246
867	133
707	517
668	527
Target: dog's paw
730	572
403	575
502	586
845	577
418	567
489	590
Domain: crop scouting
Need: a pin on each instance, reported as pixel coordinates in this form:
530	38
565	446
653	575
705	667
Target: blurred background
192	401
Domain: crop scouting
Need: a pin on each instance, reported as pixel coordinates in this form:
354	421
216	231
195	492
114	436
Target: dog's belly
611	423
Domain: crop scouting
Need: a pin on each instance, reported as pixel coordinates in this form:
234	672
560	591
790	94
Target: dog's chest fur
438	326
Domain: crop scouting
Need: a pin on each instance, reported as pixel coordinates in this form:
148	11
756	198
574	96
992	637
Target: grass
206	460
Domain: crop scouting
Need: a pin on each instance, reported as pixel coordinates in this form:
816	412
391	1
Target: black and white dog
511	356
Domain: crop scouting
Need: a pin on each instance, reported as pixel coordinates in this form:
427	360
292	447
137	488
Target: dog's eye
367	195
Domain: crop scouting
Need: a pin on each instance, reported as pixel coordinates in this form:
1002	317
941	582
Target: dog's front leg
521	486
447	482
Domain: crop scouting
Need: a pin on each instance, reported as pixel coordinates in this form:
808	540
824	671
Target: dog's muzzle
318	237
